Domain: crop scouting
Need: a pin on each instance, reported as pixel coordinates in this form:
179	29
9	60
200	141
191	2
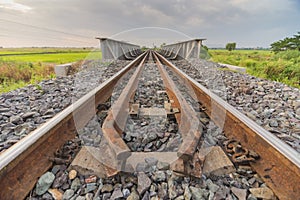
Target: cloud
11	5
247	22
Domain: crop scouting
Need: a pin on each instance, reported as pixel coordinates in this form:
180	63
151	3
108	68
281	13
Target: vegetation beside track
22	66
282	67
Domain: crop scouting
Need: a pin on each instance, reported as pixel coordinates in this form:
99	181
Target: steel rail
279	164
114	124
189	124
25	161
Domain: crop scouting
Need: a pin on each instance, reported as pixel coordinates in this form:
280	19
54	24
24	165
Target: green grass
7	51
48	55
282	67
57	58
22	66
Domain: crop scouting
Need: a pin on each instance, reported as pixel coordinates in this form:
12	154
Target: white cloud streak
11	5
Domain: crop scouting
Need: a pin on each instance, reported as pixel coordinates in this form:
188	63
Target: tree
296	41
163	44
231	46
288	43
204	54
144	48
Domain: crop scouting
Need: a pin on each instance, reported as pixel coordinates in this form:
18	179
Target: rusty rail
115	122
279	164
187	119
25	161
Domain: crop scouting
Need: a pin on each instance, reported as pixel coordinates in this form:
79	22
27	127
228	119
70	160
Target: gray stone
47	196
106	196
8	114
149	137
143	167
22	129
80	198
15	119
298	112
117	193
222	192
163	165
211	196
260	88
126	192
75	185
159	176
133	196
173	144
127	138
107	188
187	193
143	183
55	169
151	161
286	89
29	114
162	190
251	180
273	123
251	115
128	185
68	194
146	196
90	187
152	189
172	189
155	198
3	110
60	179
181	197
210	140
198	193
251	197
241	194
49	112
211	186
89	196
44	183
162	148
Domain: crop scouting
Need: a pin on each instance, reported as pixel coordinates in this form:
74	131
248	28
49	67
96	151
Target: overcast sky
249	23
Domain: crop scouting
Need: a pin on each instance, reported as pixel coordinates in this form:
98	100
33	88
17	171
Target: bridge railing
114	49
183	50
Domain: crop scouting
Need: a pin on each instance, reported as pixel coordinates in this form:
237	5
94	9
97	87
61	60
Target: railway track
275	162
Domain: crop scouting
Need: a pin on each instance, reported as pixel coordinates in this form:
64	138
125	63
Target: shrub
283	66
13	72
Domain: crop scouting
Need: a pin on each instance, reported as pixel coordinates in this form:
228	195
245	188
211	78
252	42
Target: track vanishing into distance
176	110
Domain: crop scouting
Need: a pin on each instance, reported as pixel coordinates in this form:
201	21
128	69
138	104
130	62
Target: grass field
23	66
7	51
282	67
48	55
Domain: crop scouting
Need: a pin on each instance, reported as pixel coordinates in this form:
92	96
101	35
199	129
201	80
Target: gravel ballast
272	105
25	109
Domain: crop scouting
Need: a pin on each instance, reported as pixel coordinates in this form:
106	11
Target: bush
204	54
14	74
288	55
283	66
